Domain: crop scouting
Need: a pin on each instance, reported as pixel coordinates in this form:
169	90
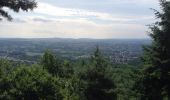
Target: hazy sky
82	19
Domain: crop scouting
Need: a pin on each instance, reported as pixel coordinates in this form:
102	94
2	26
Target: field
30	50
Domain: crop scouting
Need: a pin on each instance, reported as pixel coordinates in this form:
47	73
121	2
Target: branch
5	14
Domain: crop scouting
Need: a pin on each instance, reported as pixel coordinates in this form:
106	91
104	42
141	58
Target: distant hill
30	50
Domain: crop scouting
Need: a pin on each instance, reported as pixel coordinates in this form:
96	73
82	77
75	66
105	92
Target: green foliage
66	70
50	63
100	86
125	77
29	83
5	68
55	66
154	84
88	79
74	89
16	6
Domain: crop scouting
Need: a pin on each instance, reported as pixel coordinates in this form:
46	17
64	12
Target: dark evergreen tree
155	82
99	85
16	6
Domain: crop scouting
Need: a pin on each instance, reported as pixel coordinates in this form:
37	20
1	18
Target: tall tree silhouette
100	86
155	82
16	6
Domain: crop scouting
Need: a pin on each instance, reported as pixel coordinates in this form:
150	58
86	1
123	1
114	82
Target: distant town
30	50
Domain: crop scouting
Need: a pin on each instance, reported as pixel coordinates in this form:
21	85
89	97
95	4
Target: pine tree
155	82
99	85
16	6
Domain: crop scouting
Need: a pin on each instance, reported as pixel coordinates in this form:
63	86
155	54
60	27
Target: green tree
125	77
16	6
5	67
50	63
99	84
74	89
154	84
30	83
66	70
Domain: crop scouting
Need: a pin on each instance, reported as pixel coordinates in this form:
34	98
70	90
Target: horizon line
73	38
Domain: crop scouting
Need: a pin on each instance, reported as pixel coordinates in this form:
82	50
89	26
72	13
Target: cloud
71	29
136	1
54	21
58	12
46	12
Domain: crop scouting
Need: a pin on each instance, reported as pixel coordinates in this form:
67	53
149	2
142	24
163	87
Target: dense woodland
94	78
53	78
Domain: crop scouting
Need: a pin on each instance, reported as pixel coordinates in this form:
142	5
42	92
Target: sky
98	19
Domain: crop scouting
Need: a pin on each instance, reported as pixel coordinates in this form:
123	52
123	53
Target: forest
53	78
93	78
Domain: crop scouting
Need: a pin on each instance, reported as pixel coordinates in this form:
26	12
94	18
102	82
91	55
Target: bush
29	83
